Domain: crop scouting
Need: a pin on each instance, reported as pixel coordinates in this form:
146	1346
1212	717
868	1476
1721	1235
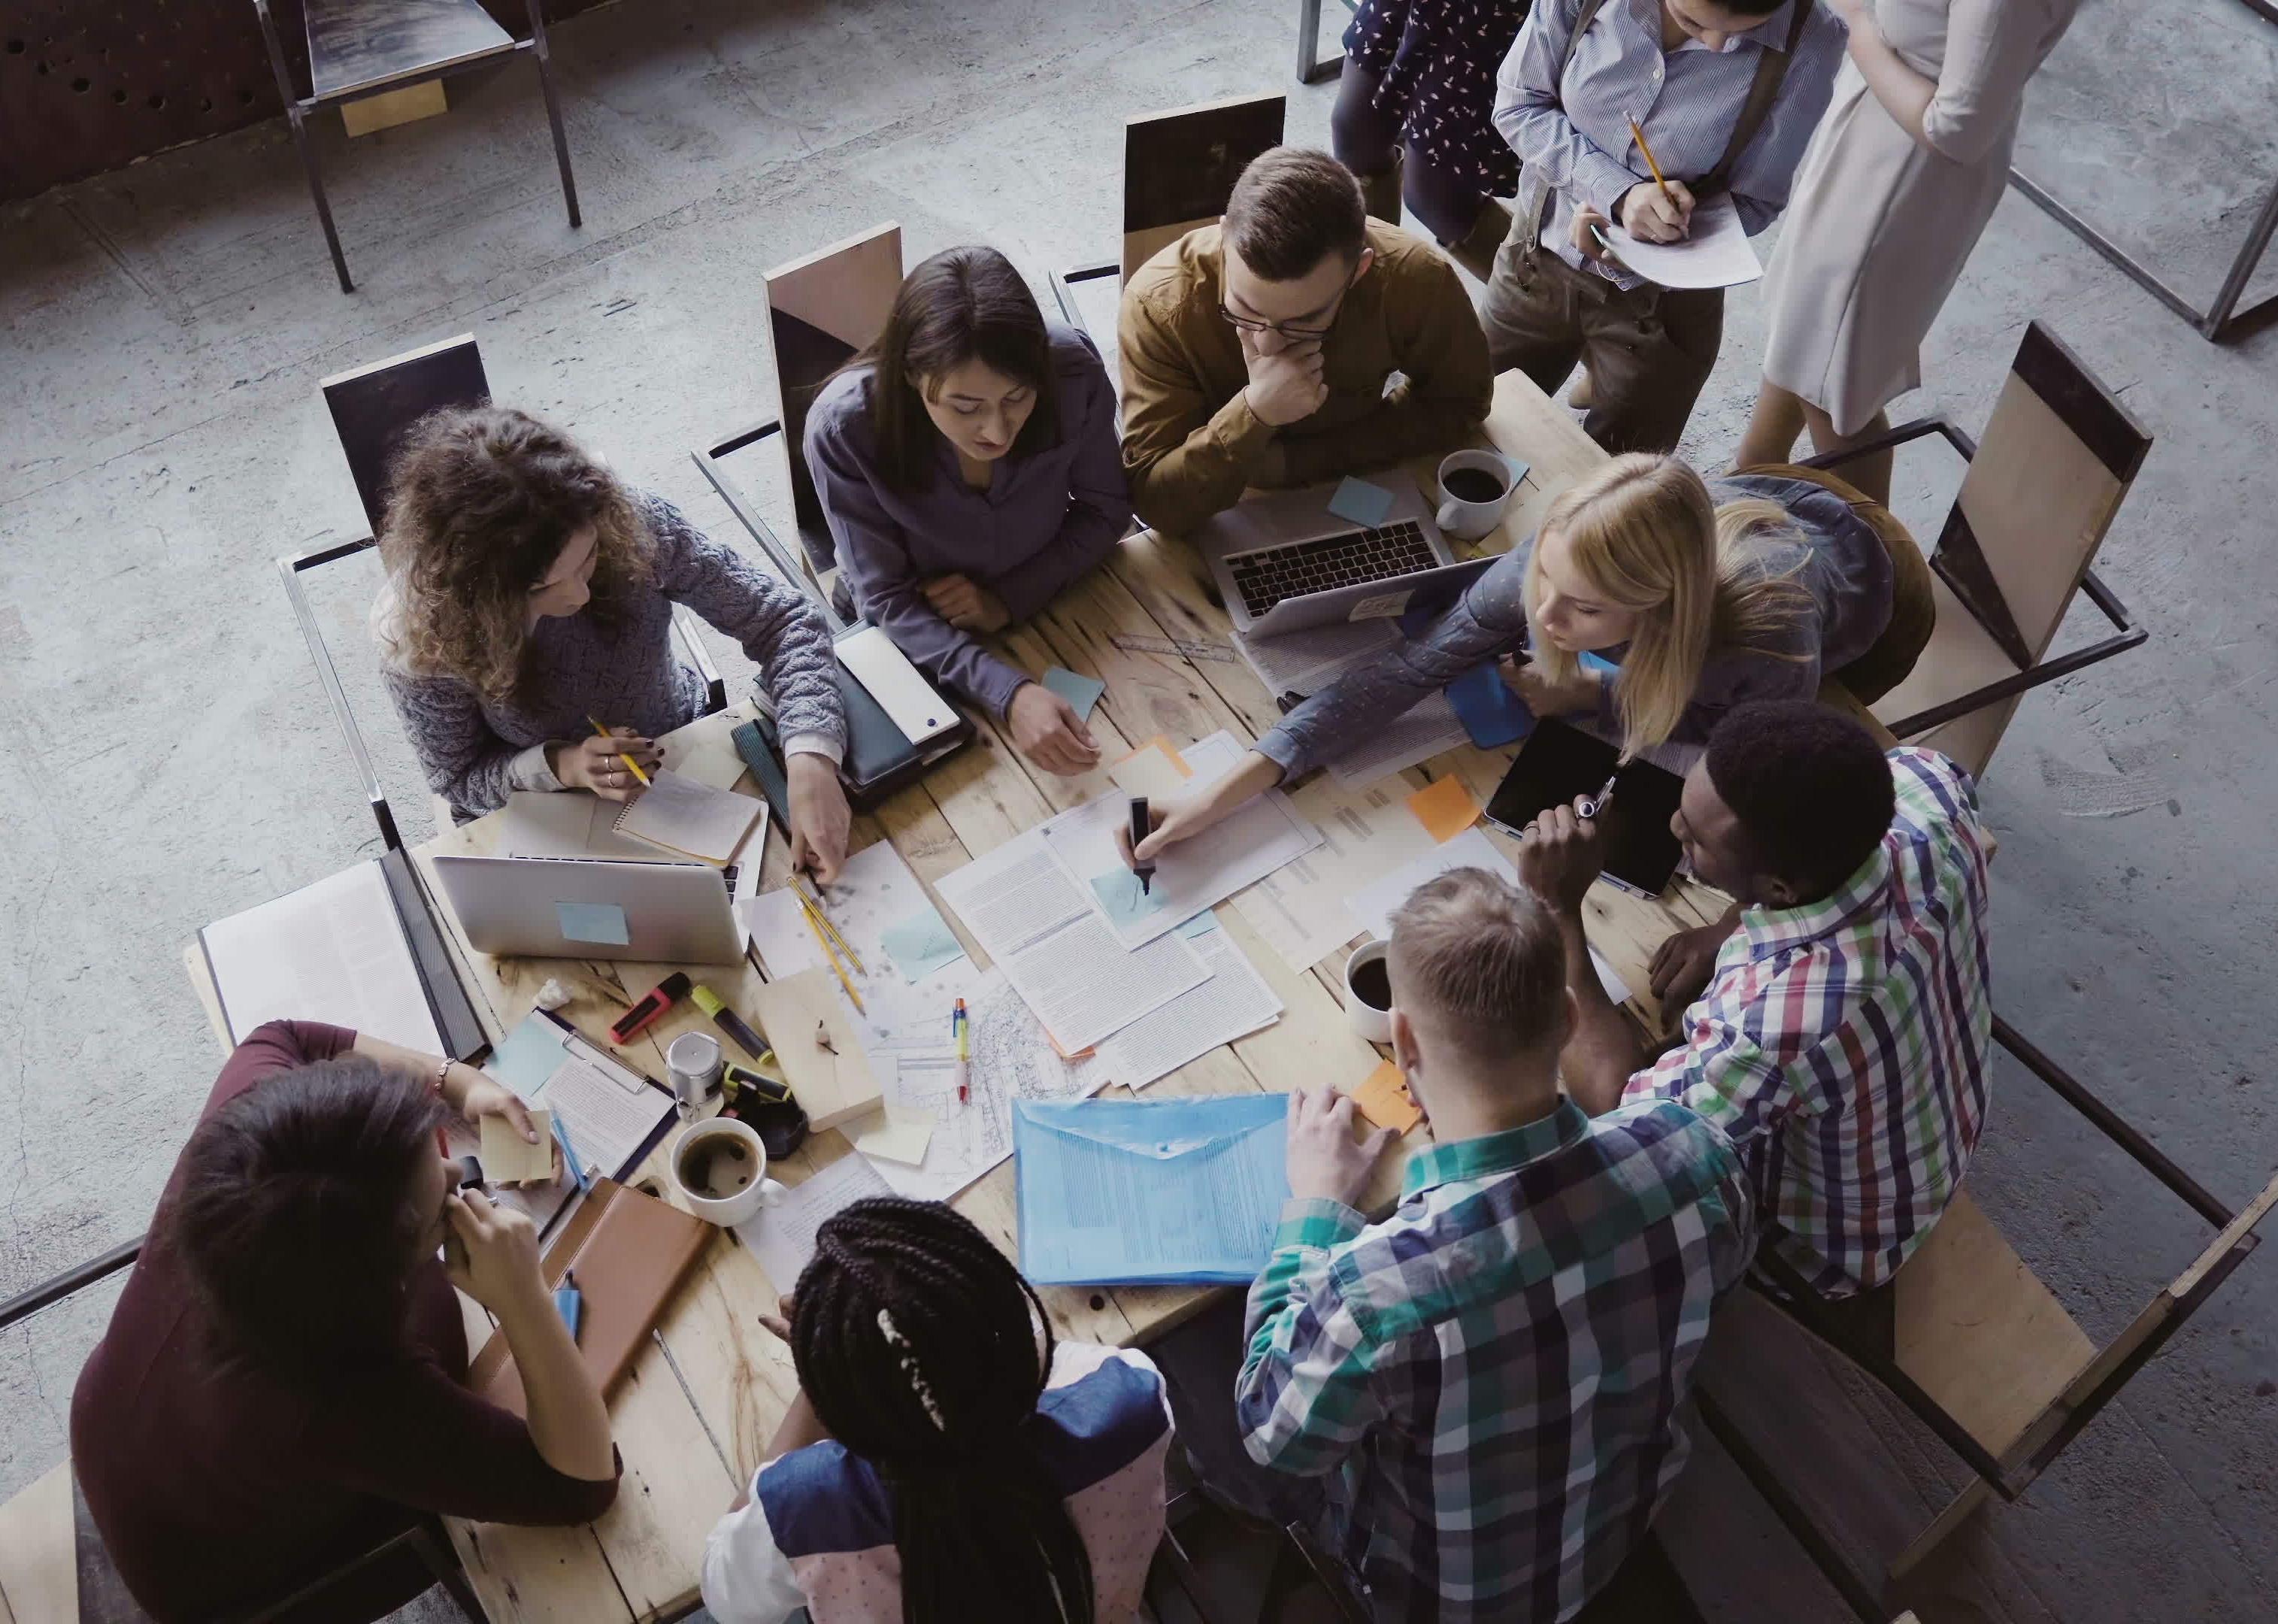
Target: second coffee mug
1368	991
1475	490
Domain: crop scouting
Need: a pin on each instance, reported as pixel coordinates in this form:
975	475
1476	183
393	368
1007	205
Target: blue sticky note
1490	712
530	1055
1363	503
1081	691
1201	924
921	944
1598	664
602	923
1126	902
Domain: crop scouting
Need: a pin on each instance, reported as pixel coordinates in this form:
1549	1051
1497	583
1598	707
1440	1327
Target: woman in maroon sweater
282	1386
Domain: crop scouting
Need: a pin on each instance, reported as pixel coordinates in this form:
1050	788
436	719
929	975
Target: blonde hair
1481	960
481	500
1643	533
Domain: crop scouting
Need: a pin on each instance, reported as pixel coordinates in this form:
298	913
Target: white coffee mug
1372	1020
1468	521
720	1168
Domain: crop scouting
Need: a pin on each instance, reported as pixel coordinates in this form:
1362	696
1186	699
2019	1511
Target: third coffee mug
1475	490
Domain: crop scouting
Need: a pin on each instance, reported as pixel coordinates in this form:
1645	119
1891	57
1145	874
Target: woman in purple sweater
979	478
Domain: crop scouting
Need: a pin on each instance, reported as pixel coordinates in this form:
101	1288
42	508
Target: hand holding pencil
614	766
1661	210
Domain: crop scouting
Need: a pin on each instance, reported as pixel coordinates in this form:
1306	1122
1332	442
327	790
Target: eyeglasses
1250	324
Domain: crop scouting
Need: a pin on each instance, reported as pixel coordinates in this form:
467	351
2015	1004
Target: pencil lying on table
832	953
813	907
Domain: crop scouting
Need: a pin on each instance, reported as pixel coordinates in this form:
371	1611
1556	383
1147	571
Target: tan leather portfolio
630	1252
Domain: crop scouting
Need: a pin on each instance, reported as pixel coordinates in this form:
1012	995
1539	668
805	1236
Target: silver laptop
578	907
1286	563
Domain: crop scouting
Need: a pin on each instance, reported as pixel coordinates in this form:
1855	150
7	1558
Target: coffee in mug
720	1170
1368	991
1475	490
1474	485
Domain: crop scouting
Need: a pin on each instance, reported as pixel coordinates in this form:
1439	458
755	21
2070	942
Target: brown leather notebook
631	1252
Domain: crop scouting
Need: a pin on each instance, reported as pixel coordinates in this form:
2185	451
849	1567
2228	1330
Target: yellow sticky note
897	1135
1385	1101
1155	769
510	1159
1445	809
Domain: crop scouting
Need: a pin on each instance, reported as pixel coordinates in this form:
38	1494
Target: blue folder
1159	1192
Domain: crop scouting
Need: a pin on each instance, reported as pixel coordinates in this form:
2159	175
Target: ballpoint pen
962	1022
632	766
1596	803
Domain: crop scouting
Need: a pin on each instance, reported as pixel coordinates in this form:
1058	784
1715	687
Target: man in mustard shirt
1258	352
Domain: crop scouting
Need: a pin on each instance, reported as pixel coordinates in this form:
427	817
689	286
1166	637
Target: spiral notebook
690	818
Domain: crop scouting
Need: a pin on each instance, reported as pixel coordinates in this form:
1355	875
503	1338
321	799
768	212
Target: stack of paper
1233	1003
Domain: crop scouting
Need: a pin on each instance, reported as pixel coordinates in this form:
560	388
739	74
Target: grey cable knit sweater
474	751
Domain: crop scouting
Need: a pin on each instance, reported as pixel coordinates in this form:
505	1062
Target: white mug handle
770	1193
1449	512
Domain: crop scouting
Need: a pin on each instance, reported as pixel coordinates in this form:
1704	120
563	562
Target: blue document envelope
1164	1192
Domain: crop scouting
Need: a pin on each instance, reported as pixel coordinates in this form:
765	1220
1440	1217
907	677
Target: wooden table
705	1397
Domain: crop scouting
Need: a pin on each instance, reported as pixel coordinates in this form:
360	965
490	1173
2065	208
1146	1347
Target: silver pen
1596	803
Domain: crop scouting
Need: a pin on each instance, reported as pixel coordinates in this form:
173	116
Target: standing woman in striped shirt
1902	176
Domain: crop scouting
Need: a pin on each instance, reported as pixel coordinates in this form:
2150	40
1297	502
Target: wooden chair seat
1977	1331
357	46
1960	658
39	1564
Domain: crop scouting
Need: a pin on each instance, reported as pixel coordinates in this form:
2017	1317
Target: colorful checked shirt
1843	1044
1492	1372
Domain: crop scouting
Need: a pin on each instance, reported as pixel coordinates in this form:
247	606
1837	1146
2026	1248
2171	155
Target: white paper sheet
1251	843
1041	926
1417	734
875	892
1233	1003
1717	254
1300	910
1307	662
566	823
690	817
1373	905
1012	1060
783	1237
335	952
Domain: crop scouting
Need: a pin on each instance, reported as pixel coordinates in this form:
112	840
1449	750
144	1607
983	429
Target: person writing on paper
1726	93
969	471
1894	192
529	591
1843	1032
281	1386
946	1457
1704	595
1419	1377
1262	350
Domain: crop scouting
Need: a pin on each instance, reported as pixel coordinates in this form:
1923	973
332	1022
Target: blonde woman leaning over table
1705	595
1900	179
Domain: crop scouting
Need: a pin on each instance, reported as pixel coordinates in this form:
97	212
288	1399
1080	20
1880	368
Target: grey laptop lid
577	908
1260	523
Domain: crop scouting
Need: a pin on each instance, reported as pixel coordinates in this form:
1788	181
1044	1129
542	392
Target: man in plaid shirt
1492	1373
1843	1036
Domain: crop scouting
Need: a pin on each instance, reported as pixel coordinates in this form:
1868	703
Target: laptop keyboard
1326	562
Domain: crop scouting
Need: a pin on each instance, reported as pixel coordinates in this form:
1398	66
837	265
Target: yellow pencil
632	766
1638	130
814	906
837	968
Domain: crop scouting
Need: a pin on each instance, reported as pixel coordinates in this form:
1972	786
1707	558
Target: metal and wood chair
823	310
2059	454
1311	69
372	407
366	48
53	1564
1179	168
1979	1349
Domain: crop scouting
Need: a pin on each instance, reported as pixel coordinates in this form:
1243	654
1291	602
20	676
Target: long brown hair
963	304
480	501
1644	532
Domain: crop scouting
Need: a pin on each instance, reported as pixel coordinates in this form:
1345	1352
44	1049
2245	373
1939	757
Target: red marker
650	1008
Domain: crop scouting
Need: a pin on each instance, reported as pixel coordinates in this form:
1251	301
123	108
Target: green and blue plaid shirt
1843	1044
1494	1371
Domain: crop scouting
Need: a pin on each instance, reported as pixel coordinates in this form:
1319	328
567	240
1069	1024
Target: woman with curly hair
529	590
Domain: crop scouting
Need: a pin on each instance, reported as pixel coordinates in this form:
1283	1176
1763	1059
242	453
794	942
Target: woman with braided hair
946	1458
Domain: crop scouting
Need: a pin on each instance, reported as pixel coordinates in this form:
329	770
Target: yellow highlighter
632	766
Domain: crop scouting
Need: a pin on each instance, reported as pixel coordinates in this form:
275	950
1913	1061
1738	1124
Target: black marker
1142	826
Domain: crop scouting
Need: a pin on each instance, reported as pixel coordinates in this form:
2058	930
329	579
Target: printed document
334	951
783	1237
1233	1003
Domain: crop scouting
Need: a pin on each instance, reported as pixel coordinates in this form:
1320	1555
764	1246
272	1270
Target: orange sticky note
1385	1101
1445	809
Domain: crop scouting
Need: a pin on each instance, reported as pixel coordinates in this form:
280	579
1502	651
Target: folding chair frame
2050	1433
1310	71
710	461
2130	632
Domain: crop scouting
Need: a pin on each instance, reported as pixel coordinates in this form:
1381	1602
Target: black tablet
1558	762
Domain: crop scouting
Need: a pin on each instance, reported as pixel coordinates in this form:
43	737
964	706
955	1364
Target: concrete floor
171	761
